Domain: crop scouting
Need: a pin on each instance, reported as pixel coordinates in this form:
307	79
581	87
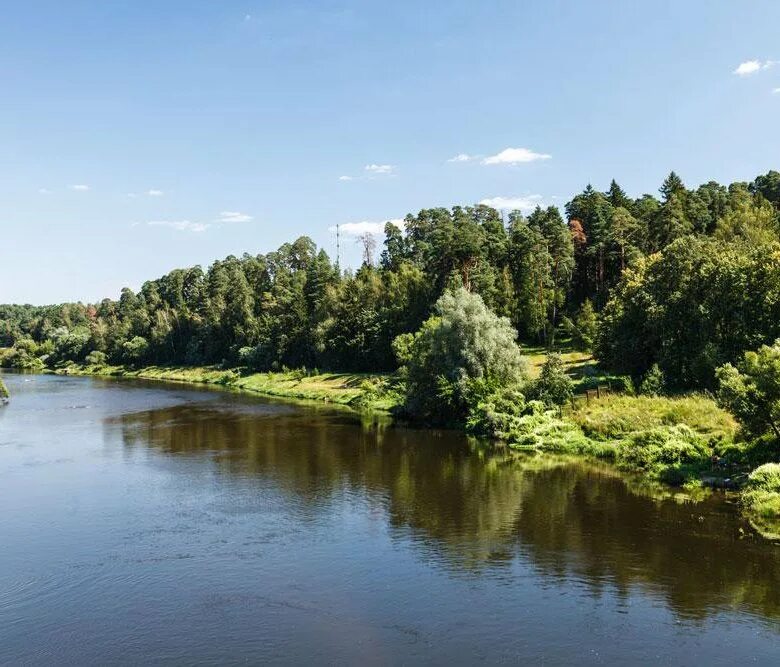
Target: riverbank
680	441
356	390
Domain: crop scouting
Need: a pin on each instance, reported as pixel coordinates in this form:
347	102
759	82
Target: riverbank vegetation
666	302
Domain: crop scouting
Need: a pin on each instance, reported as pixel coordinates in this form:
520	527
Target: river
158	523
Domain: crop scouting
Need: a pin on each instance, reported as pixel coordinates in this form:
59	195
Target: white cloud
462	157
180	225
234	216
155	193
515	156
346	178
365	227
776	91
524	204
79	188
44	191
752	66
379	168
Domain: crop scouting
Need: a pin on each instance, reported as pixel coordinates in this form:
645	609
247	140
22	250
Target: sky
139	137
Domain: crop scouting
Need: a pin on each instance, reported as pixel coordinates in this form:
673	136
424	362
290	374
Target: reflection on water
150	523
474	509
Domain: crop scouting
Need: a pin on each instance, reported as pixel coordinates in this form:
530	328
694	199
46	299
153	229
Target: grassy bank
356	390
683	441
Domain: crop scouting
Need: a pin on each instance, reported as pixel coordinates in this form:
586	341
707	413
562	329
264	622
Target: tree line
677	284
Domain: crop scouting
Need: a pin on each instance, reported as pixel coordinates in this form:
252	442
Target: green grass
761	500
3	389
616	416
357	390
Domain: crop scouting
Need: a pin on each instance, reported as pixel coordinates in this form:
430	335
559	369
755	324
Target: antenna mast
338	249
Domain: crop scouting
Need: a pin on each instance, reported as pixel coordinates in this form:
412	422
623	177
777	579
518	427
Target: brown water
150	523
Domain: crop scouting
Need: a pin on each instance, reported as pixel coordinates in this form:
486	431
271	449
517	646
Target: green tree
461	347
553	386
751	390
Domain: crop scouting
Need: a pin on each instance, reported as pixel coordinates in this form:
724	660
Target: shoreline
358	391
613	430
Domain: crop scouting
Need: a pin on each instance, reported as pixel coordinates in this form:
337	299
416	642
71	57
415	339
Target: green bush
761	499
653	382
553	386
96	358
463	343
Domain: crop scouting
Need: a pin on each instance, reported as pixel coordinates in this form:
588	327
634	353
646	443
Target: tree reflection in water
477	511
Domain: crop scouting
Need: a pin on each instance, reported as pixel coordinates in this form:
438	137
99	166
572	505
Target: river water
156	523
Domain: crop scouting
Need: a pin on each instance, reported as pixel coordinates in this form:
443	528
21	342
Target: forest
675	296
684	283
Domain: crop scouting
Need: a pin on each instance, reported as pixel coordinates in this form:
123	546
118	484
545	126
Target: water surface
146	522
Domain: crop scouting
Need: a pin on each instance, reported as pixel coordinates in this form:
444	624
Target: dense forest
676	284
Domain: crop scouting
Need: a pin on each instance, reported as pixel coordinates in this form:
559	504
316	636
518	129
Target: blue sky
142	136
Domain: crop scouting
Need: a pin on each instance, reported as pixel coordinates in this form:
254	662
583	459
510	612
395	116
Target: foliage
96	358
688	279
613	417
652	382
582	328
553	386
462	349
751	391
761	499
695	306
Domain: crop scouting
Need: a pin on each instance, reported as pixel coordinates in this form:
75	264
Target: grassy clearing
357	390
577	364
615	416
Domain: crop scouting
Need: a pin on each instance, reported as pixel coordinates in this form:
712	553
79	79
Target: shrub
653	382
761	499
751	392
553	386
134	351
96	358
462	343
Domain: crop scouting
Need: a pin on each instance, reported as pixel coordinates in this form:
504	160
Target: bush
761	499
662	447
134	351
751	392
96	358
653	382
553	386
462	350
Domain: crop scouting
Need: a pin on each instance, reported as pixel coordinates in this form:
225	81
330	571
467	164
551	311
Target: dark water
148	523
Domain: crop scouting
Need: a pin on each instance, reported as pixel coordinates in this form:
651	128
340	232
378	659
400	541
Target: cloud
752	66
528	203
463	157
515	156
79	188
234	216
379	168
180	225
365	227
155	193
346	178
776	91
